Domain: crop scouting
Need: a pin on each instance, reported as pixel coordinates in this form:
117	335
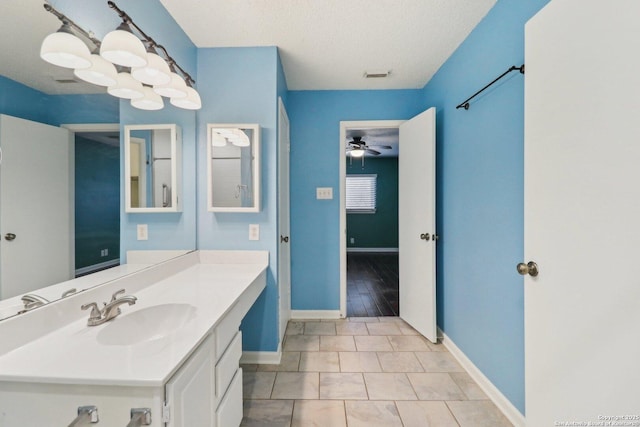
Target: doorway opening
369	218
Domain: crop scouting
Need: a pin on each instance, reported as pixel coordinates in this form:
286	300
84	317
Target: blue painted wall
315	154
97	201
242	87
480	195
21	101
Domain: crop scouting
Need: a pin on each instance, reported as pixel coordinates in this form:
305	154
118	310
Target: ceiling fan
358	147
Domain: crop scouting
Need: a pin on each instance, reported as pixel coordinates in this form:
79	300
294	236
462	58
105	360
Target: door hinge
166	413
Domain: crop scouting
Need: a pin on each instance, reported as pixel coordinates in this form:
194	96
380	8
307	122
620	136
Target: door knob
425	236
531	268
9	236
284	239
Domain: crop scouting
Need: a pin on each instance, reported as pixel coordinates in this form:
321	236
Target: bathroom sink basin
147	324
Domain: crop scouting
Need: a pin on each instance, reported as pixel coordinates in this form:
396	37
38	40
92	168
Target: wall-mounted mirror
233	167
152	168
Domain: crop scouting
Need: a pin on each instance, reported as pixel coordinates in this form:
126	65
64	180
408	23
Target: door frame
344	126
284	308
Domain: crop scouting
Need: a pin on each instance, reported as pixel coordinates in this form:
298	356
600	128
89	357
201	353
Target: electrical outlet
143	232
325	193
254	231
104	252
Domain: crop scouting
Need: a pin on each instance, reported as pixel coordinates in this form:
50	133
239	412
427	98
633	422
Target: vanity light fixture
217	140
125	47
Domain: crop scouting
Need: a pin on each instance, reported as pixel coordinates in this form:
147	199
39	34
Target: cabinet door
191	391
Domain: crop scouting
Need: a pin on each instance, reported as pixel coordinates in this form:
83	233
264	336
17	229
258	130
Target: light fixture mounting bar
66	20
147	39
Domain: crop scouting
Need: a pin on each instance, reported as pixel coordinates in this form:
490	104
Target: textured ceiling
324	44
329	44
375	137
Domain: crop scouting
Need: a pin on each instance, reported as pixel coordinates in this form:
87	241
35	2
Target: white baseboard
373	250
507	408
97	267
315	314
262	357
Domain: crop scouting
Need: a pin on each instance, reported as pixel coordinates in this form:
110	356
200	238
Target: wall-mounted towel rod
465	104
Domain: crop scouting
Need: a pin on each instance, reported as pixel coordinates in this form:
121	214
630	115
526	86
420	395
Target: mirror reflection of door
138	156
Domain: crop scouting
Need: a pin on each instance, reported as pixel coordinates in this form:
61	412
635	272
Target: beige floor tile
296	385
319	328
389	386
272	413
359	361
394	319
468	386
408	343
319	413
319	361
383	328
294	328
425	414
367	343
437	346
434	361
343	386
395	361
251	367
363	319
352	328
407	330
302	343
289	362
337	343
435	386
372	414
257	385
478	413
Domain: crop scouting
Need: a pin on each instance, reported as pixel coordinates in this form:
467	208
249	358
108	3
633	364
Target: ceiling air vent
376	74
66	81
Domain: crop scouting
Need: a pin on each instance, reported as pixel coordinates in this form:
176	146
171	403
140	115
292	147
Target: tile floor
363	371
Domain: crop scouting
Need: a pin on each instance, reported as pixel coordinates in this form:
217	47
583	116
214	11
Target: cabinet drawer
229	413
227	365
227	328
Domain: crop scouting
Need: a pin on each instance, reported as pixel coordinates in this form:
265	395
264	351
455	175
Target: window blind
361	193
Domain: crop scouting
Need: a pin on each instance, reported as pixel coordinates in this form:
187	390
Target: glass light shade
123	48
241	139
217	140
126	87
176	88
101	72
156	72
65	50
150	100
190	102
357	152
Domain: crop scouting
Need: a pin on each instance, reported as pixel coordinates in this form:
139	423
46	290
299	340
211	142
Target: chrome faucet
31	301
109	311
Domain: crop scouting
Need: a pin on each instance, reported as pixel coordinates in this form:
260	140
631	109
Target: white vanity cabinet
187	372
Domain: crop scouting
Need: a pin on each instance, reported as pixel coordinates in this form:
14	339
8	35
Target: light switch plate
324	193
143	232
254	231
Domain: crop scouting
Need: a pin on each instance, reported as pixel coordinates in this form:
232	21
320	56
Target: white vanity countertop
79	354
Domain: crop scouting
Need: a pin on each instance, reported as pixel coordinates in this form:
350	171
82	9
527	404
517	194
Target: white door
582	210
284	252
417	223
36	205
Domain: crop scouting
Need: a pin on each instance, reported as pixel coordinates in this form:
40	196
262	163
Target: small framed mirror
152	157
233	178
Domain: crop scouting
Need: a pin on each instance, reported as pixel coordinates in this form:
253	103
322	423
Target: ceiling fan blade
374	152
385	147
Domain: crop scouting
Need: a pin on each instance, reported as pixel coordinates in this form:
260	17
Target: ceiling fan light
122	47
126	87
64	49
101	72
156	72
357	152
190	102
150	101
175	88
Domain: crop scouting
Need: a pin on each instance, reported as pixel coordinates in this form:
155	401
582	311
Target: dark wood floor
372	284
